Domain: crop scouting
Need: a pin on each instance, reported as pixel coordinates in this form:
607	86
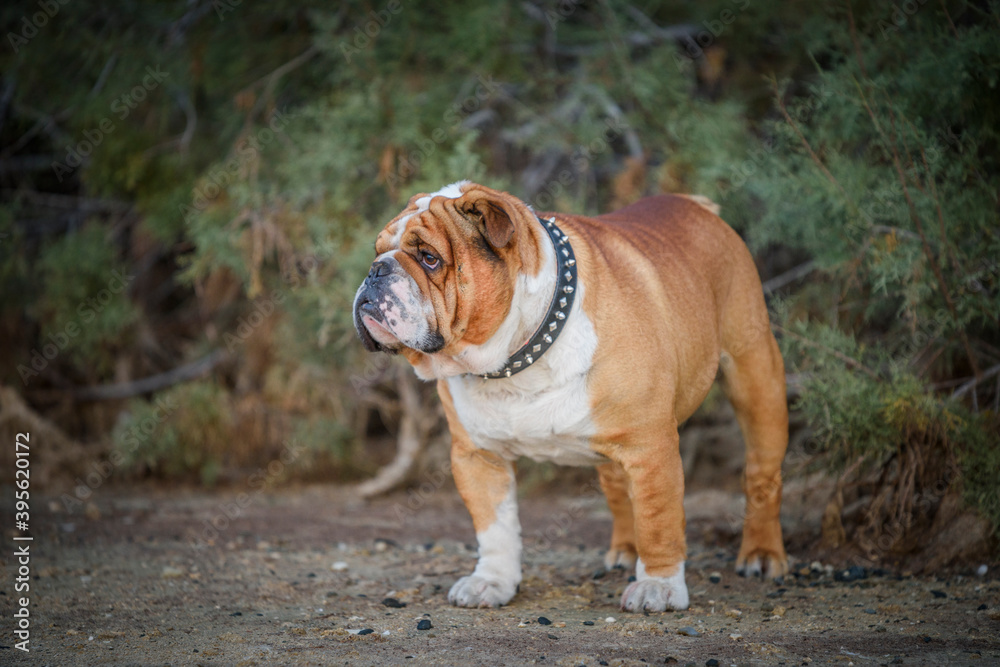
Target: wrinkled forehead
390	238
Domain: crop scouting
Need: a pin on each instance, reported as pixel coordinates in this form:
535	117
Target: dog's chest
553	424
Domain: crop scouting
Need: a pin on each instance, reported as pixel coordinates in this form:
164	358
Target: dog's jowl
583	341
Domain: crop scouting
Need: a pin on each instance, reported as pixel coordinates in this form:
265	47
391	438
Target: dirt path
297	573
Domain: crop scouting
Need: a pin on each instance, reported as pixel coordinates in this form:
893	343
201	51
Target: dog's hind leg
754	381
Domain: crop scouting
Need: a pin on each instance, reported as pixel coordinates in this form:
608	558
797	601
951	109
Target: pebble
869	611
424	624
853	573
551	636
688	631
939	594
715	577
339	566
610	619
733	613
393	603
544	621
588	622
711	662
982	570
366	631
767	606
982	607
170	572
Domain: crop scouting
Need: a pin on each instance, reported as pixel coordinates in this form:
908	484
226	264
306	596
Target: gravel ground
309	575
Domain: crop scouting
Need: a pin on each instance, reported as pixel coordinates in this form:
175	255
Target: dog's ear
493	220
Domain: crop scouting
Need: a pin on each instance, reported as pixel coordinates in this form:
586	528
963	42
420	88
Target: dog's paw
623	557
762	563
656	593
476	591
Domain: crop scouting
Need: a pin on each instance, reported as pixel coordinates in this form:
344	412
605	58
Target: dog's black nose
378	270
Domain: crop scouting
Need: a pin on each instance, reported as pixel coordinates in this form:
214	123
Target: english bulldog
583	341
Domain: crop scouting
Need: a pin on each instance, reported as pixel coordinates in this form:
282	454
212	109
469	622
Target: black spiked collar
555	319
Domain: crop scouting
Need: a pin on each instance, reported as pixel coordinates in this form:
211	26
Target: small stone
939	594
424	624
588	622
610	619
982	607
236	613
715	577
171	572
711	662
733	613
393	603
631	578
553	637
670	660
779	611
599	573
544	621
869	611
816	566
767	606
735	636
852	573
366	631
339	566
688	631
880	628
982	570
927	639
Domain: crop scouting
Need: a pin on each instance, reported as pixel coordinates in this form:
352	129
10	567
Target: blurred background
189	192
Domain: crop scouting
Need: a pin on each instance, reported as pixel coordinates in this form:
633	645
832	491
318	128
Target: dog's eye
429	260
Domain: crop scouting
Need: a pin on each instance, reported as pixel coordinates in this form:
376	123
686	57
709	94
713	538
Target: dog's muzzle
389	301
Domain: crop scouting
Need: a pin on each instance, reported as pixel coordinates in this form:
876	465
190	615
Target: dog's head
444	277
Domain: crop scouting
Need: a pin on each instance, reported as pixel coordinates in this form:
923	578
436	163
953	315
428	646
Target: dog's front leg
486	483
651	461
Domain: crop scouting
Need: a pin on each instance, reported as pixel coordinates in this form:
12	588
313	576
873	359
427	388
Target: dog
583	341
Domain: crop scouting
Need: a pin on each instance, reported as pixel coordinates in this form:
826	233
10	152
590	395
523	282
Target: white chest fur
543	412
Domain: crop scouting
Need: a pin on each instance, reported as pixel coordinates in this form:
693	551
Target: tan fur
671	289
672	293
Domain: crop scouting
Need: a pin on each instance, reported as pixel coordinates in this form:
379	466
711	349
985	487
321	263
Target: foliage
895	196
